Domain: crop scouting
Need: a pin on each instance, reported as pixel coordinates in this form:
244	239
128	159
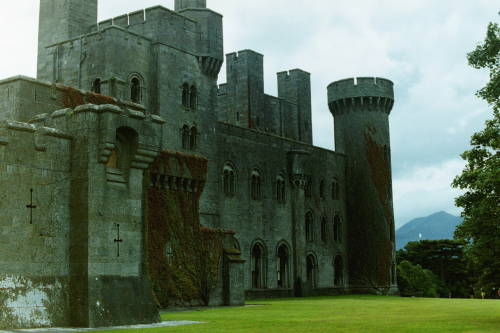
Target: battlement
293	74
188	4
12	132
98	109
362	91
244	56
143	16
360	87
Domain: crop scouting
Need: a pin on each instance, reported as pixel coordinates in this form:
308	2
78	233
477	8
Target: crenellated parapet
179	172
12	133
361	109
372	93
185	4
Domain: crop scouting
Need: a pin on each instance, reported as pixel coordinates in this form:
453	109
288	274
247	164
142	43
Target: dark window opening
258	267
308	187
193	138
335	190
185	137
228	181
185	95
391	232
337	232
135	90
339	273
255	186
393	274
322	189
324	230
283	267
311	270
280	190
169	253
96	86
309	227
193	98
125	148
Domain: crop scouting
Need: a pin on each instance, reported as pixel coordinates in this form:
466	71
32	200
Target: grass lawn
344	314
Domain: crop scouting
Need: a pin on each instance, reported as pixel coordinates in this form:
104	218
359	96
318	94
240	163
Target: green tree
446	259
481	177
413	280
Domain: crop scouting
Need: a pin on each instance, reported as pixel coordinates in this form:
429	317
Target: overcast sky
421	45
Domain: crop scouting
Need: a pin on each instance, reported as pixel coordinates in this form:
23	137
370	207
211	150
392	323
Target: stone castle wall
328	228
34	278
271	222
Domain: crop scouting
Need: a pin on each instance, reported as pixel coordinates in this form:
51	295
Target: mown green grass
344	314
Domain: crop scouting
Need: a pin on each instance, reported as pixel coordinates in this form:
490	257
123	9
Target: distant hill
436	226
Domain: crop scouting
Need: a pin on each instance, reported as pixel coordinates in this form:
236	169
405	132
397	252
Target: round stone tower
361	109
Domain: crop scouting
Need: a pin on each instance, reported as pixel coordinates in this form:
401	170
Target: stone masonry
77	144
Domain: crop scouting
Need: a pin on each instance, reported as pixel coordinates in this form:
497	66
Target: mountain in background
436	226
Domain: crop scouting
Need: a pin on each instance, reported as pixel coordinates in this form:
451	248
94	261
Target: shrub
413	280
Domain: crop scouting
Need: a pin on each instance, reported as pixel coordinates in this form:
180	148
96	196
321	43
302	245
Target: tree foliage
413	280
445	258
481	177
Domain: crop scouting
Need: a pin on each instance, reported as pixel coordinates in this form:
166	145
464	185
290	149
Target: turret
184	4
209	23
361	111
245	87
295	86
59	21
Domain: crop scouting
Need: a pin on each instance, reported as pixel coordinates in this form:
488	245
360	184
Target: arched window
391	231
337	229
169	253
135	90
96	86
338	271
311	270
393	274
309	227
280	189
309	186
255	189
283	267
322	189
335	190
186	137
193	98
258	266
228	180
185	95
324	230
125	146
193	138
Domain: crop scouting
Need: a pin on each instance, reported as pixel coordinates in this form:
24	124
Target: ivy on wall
381	175
72	97
184	258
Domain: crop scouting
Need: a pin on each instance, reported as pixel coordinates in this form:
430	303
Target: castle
125	144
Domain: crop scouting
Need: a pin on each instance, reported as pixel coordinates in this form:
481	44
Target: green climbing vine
184	257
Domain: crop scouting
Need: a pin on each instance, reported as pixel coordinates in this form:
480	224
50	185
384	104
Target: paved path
76	330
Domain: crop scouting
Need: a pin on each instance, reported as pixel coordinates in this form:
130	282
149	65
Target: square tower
61	20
